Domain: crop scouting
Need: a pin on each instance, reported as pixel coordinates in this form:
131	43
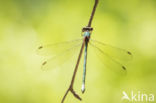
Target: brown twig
92	14
74	75
70	89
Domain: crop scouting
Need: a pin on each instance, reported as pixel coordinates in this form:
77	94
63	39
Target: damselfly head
86	31
90	29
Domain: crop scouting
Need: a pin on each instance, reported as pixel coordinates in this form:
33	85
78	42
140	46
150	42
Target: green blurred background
26	24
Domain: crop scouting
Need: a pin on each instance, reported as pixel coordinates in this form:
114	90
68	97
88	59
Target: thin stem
92	14
65	96
74	75
78	60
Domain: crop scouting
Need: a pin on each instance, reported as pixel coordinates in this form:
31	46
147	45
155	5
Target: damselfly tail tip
83	88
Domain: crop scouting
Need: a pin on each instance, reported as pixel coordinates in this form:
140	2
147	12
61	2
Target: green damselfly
110	55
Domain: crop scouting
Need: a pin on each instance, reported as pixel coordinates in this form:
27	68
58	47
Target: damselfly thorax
86	33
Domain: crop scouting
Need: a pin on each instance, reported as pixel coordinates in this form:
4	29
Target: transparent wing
107	59
57	48
116	53
59	53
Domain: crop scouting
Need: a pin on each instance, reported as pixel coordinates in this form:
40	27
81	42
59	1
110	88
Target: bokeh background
26	24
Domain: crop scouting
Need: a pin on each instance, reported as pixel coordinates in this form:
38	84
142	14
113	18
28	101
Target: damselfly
110	55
